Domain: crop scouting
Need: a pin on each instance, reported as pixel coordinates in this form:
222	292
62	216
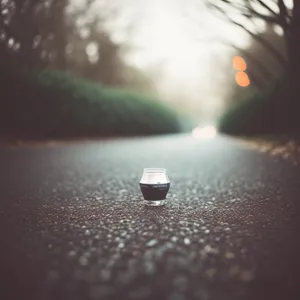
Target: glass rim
155	170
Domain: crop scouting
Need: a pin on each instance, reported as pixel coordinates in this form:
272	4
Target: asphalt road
73	226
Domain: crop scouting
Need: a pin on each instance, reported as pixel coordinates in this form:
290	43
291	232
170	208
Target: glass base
155	202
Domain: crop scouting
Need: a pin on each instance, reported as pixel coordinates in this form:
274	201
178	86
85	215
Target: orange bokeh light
242	79
239	63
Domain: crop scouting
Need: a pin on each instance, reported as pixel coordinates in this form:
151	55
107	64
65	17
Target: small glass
155	185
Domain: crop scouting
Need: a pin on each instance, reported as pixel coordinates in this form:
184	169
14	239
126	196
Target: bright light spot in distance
242	79
239	63
206	132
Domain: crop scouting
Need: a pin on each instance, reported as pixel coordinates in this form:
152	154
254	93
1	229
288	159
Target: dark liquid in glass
155	192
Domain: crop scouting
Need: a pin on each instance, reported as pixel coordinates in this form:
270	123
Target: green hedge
53	104
260	113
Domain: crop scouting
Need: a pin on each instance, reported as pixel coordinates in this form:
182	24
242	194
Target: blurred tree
262	68
278	13
64	35
32	32
53	32
18	29
273	69
92	51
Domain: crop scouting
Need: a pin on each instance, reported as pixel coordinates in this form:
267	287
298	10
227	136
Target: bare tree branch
263	4
260	39
283	13
262	69
238	5
249	11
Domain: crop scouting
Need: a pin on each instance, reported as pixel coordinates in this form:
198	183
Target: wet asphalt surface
73	224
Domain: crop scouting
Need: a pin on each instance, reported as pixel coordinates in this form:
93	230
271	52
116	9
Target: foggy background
181	52
183	49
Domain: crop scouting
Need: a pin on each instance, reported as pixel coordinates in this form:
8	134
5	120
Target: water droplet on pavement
174	239
187	241
151	243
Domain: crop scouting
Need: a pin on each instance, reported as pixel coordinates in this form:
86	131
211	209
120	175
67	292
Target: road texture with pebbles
73	224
